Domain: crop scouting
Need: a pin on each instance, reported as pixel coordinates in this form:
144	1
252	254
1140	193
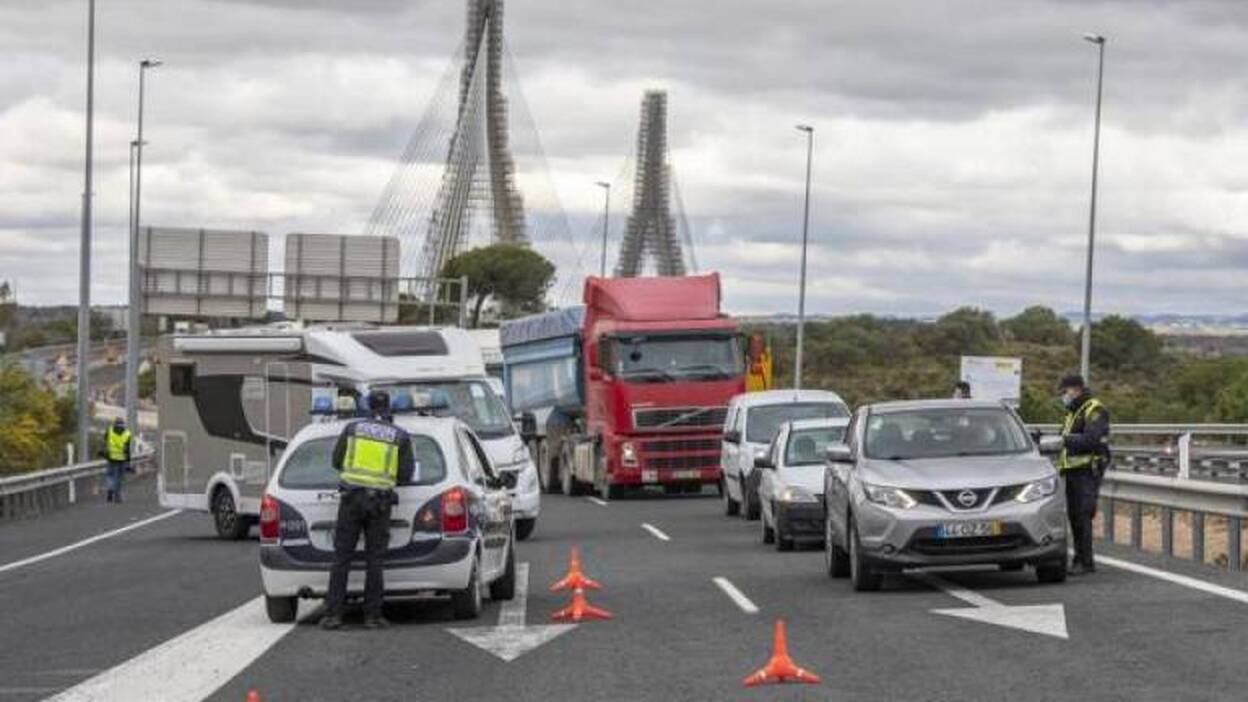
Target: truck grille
682	462
679	417
680	445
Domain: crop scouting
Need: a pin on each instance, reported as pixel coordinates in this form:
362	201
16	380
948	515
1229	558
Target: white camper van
229	402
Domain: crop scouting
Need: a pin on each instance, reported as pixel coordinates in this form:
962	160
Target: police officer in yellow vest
117	452
373	456
1082	463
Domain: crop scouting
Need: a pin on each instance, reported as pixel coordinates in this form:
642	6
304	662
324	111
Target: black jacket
1088	435
379	427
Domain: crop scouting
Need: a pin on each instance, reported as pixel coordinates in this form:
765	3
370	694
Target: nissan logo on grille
967	498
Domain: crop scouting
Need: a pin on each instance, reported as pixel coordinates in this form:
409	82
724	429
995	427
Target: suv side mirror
1051	445
839	453
764	462
732	436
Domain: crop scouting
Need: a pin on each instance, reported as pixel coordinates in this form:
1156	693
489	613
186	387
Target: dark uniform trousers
368	511
1082	488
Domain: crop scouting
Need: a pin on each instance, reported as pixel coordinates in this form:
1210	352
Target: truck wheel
731	506
230	525
281	610
467	602
548	469
567	481
504	588
525	527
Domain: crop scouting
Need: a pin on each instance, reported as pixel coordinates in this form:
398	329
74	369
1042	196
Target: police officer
1082	463
117	452
373	456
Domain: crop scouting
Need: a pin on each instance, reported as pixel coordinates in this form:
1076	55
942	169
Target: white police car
451	533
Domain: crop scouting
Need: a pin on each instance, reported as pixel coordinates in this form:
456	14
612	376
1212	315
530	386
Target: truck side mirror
732	436
839	453
528	426
1051	445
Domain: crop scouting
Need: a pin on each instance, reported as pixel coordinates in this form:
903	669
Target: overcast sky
952	146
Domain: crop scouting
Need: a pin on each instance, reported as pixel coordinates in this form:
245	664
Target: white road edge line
655	532
86	542
191	666
735	595
598	501
1184	580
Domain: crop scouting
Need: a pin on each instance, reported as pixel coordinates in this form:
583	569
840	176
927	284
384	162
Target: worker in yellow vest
119	441
372	456
1082	463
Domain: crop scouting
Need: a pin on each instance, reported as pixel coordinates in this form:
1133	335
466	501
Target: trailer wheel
230	525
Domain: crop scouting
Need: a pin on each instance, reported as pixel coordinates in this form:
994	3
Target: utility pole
606	224
134	317
1085	354
84	256
801	297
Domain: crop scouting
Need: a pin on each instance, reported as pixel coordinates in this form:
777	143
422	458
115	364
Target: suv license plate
963	530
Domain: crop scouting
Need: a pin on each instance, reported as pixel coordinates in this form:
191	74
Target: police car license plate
964	530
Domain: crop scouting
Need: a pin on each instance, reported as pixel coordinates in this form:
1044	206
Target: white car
451	534
790	483
752	422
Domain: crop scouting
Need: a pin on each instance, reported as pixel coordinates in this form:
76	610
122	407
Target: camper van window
475	403
310	465
182	379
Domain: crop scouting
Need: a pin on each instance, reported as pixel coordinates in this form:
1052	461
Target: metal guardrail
33	494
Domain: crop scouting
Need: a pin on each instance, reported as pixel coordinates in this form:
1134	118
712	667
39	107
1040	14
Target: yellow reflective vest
1065	461
118	444
371	462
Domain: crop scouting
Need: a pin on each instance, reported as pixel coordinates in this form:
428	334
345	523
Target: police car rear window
310	464
415	343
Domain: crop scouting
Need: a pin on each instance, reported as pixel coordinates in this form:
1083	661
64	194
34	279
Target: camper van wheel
230	524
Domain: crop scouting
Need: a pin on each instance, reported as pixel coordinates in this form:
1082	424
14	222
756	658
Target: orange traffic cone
781	668
253	696
580	610
575	579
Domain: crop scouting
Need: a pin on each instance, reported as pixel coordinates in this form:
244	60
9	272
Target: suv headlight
889	496
796	494
628	454
1037	490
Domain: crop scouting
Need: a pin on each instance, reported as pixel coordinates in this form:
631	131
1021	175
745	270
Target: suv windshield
650	359
474	403
940	433
807	446
310	465
762	423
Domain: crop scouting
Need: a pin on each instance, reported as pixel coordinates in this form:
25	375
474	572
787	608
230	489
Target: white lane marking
1186	581
735	595
597	501
191	666
511	638
656	532
1046	619
86	542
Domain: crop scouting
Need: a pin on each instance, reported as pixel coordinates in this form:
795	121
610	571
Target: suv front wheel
861	574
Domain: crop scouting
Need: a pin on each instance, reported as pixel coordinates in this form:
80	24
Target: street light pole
606	224
84	255
801	297
134	317
1085	354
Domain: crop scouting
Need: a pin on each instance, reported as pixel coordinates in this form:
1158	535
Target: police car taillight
454	511
270	518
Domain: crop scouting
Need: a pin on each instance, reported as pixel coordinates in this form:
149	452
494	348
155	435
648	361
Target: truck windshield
658	359
940	433
474	402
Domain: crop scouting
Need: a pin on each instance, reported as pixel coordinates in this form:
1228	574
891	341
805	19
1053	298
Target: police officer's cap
1073	380
378	400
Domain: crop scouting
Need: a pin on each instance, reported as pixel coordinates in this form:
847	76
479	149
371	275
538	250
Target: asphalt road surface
163	610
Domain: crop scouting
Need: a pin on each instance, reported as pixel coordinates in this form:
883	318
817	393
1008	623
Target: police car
451	533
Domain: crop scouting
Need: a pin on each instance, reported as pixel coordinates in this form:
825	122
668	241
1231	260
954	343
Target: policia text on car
1084	458
373	456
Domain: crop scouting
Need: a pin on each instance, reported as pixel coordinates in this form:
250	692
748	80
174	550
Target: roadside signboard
994	378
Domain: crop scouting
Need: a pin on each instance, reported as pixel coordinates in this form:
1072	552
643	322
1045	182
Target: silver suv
943	482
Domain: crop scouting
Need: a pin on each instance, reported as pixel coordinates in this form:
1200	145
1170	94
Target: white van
752	422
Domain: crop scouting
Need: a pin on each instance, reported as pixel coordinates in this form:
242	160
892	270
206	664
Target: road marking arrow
511	638
1047	619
